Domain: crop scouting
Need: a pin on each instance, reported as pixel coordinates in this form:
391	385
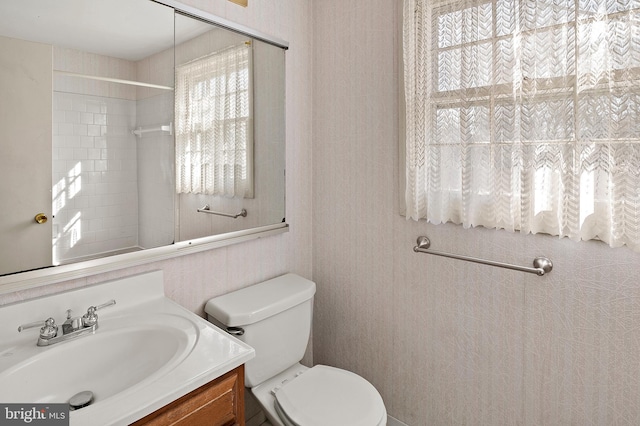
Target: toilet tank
276	318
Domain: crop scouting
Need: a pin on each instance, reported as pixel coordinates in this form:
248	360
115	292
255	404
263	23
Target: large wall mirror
133	125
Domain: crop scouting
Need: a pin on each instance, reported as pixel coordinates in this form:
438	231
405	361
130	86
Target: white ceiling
127	29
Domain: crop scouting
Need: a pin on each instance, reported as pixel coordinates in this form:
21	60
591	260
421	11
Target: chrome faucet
71	328
71	324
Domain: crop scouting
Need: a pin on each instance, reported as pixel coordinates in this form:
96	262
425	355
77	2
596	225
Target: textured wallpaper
448	342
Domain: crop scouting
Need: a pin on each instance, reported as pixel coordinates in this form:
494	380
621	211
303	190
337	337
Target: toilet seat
325	395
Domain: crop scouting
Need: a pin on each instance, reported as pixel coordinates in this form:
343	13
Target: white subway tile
94	130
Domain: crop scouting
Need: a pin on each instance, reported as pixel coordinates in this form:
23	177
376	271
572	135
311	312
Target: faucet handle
106	304
48	328
91	318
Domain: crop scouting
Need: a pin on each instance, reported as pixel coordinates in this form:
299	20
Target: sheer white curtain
524	115
214	139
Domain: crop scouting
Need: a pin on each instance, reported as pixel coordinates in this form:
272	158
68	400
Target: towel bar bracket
541	264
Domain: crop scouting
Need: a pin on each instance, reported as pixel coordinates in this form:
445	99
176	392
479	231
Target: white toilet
274	317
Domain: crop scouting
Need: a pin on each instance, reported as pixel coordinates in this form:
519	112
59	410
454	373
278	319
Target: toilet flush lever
235	331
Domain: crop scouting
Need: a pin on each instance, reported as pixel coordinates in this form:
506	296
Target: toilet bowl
320	396
274	317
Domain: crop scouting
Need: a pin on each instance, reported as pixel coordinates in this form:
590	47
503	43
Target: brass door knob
41	218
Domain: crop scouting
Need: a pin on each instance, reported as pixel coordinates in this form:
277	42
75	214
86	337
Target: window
214	124
524	115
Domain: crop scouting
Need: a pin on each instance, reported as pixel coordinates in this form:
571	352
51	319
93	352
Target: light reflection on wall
63	191
73	230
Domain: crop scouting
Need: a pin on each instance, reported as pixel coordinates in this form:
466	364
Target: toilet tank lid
259	301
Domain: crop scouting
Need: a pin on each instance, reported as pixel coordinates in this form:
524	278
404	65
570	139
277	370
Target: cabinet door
25	154
218	403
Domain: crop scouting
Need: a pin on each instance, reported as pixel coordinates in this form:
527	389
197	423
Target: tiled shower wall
95	194
112	190
445	341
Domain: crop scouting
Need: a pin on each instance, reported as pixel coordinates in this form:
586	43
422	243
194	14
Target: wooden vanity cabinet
218	403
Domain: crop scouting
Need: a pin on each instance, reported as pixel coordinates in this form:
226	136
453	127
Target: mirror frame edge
221	22
40	277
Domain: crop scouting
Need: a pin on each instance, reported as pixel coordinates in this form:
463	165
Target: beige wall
448	342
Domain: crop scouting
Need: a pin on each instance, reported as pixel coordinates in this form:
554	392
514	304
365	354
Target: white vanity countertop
205	353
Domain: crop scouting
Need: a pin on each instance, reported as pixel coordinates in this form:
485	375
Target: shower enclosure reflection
111	188
112	182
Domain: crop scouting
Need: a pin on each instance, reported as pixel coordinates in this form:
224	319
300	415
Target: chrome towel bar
541	265
207	209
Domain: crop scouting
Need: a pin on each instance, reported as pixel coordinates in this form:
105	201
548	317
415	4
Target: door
25	155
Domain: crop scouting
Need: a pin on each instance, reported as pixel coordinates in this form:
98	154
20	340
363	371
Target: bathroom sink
124	352
146	352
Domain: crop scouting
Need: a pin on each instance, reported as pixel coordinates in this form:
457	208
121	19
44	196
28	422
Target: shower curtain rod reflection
112	80
541	265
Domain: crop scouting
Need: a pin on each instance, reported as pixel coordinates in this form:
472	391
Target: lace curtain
524	115
214	124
